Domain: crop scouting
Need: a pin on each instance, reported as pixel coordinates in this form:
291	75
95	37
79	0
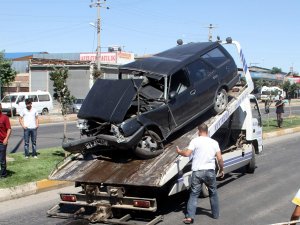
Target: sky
268	30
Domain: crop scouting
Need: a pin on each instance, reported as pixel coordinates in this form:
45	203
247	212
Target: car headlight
82	124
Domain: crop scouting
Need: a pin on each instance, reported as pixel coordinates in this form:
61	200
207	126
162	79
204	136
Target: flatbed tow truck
115	184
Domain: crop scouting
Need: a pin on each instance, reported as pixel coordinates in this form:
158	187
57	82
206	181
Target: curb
281	132
31	188
46	185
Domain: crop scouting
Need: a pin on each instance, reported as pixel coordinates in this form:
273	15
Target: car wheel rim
221	101
148	144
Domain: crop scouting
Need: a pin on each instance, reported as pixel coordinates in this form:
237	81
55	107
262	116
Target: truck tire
149	146
221	101
204	191
250	168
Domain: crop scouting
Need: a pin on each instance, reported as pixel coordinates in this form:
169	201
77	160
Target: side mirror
172	94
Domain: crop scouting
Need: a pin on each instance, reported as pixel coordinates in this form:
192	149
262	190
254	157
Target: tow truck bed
132	171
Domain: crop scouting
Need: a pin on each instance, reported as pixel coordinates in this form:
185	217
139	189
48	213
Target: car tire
45	111
221	101
149	146
250	168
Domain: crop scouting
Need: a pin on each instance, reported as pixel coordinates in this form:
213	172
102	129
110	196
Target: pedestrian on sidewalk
5	131
30	122
203	151
279	110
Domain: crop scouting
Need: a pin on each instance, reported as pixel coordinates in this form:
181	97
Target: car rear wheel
149	146
221	101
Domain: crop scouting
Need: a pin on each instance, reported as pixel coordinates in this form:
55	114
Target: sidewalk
45	185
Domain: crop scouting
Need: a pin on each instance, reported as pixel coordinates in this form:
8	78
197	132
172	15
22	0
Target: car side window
44	98
179	82
33	98
21	98
199	70
216	57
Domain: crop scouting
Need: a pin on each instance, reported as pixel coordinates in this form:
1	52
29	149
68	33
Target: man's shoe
26	157
188	221
35	157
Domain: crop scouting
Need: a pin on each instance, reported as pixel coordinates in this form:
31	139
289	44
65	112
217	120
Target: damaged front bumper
104	141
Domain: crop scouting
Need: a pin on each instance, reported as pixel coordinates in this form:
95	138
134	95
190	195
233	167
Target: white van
41	101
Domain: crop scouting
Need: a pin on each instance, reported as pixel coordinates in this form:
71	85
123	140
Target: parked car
14	102
155	97
77	105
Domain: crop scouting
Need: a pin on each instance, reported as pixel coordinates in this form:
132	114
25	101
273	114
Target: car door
182	98
205	81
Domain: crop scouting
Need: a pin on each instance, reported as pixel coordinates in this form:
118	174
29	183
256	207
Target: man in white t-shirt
30	122
203	151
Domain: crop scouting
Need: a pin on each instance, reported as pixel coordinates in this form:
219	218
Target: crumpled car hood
109	100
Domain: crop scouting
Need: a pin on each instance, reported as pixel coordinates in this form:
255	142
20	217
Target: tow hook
102	213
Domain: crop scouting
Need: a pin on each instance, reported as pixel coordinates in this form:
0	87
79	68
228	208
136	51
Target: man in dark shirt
279	110
5	131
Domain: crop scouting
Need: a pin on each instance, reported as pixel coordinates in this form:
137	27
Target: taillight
68	198
141	203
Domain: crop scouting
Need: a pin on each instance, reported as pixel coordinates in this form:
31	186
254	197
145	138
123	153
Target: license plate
95	143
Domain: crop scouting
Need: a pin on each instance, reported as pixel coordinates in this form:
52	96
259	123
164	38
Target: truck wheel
204	191
149	146
45	111
250	168
221	101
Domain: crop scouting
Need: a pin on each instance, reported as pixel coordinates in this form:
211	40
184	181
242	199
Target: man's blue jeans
198	178
3	160
30	133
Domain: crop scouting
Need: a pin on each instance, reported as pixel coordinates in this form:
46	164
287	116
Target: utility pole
98	4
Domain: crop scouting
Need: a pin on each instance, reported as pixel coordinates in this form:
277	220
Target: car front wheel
149	146
221	101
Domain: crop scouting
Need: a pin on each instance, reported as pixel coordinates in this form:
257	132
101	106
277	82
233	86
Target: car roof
169	61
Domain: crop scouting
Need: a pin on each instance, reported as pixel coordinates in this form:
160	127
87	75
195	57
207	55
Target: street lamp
98	4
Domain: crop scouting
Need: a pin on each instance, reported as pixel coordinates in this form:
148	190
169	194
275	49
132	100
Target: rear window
44	98
215	57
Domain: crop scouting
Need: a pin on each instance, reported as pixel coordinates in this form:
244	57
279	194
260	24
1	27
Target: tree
62	94
276	70
7	74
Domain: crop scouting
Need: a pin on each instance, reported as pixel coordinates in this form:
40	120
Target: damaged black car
154	97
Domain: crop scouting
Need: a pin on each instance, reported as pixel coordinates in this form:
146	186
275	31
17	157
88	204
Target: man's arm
220	163
21	121
37	121
5	141
185	152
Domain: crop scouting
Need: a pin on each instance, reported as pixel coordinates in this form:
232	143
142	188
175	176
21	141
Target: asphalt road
245	199
49	135
293	110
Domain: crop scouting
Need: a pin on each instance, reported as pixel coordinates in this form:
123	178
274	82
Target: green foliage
62	94
21	170
276	70
7	74
289	88
270	125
